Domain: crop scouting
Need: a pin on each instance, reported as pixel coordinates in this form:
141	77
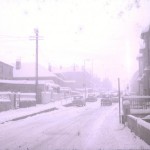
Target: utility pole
36	38
84	81
119	99
92	77
36	64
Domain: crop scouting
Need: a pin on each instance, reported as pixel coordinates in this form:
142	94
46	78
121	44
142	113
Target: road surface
84	128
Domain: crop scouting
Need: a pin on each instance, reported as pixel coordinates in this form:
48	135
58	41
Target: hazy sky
105	31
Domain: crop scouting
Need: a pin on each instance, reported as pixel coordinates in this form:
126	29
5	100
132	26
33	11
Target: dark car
106	101
79	100
91	98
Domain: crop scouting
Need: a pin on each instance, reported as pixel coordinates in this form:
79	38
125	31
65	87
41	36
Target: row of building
144	65
21	78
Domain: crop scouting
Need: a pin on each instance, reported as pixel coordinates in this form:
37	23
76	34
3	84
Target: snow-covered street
85	128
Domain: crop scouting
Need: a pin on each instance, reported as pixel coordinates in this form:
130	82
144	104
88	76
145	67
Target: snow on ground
85	128
15	113
114	135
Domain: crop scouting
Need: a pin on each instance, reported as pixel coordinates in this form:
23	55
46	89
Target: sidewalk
16	114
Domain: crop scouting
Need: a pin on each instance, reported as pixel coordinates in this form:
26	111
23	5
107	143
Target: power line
18	38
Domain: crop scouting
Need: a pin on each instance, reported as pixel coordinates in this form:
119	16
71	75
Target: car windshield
74	74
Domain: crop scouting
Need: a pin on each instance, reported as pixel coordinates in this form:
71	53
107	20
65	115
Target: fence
138	102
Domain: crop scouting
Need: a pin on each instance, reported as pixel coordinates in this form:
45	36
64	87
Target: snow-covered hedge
140	127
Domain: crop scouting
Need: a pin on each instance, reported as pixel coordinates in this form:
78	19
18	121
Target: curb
30	115
36	113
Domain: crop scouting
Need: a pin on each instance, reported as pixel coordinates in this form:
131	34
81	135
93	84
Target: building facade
6	71
144	65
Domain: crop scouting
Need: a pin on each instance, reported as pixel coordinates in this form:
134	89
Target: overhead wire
8	38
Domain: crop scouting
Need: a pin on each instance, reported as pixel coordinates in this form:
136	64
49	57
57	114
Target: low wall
10	100
5	102
46	97
26	99
140	127
5	105
132	124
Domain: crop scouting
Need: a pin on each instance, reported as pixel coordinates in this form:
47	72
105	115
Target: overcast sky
105	31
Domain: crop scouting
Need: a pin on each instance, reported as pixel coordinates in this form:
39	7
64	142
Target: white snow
147	117
85	128
143	123
15	113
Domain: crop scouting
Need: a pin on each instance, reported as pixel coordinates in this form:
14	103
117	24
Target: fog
106	32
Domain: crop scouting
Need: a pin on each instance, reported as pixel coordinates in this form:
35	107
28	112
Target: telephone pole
36	64
119	100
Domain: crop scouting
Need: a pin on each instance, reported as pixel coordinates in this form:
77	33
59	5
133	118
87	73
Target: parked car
106	102
91	98
79	100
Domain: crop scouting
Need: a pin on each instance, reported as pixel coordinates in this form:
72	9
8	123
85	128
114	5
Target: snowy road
86	128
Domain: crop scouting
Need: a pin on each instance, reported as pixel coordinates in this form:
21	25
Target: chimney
49	67
74	67
18	64
60	67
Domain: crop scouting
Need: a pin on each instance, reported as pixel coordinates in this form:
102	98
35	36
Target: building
144	65
81	78
6	71
26	71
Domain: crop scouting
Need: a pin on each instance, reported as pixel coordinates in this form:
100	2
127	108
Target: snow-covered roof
70	81
49	82
28	70
65	88
6	63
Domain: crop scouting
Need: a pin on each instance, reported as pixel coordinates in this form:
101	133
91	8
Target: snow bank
139	127
143	123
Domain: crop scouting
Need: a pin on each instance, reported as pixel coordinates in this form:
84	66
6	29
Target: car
79	100
106	102
91	98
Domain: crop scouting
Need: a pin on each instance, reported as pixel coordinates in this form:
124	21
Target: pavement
21	113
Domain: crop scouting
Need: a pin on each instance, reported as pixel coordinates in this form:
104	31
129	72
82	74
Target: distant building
26	71
144	65
133	87
81	79
6	71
